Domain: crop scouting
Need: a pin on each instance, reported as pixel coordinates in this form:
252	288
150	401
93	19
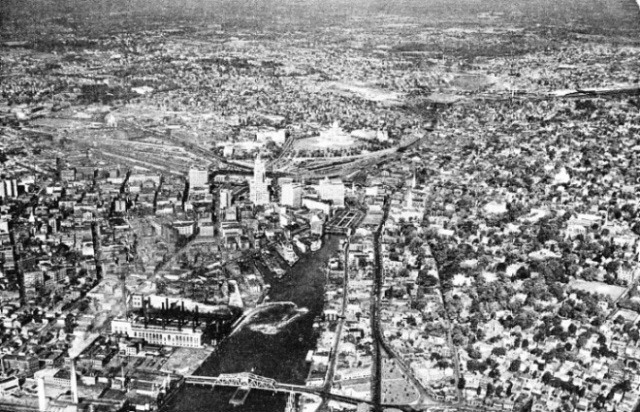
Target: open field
396	389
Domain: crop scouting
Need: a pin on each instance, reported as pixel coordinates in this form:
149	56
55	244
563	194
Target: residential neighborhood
319	206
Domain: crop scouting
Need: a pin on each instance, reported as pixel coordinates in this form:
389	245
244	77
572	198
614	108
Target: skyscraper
333	191
226	197
291	195
259	186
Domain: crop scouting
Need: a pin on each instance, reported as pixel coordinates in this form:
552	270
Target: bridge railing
238	379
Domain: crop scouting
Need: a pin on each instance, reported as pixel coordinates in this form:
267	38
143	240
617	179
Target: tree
442	364
546	233
490	390
416	245
515	365
612	267
602	340
69	323
426	279
627	327
461	383
474	353
517	342
499	351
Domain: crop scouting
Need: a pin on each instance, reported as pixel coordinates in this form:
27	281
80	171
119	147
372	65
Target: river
279	356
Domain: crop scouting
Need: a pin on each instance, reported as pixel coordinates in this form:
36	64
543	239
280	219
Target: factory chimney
162	315
74	382
42	398
195	319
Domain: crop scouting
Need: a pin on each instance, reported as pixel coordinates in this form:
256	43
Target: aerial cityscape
306	206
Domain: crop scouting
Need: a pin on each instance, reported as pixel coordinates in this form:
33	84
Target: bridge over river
246	381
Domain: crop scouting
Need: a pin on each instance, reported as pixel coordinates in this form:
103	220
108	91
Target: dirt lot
185	360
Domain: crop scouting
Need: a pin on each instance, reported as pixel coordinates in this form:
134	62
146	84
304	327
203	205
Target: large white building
198	177
259	185
167	335
291	195
314	204
333	191
226	197
184	228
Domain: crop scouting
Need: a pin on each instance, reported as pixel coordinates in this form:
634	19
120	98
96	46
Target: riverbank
280	356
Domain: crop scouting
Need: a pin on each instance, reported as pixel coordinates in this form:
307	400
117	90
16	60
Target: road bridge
251	381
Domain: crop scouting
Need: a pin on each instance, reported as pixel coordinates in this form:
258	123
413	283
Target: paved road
332	365
454	349
331	369
376	387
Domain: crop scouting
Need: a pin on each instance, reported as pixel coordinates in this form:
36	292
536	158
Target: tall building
259	185
9	188
291	195
198	177
226	197
332	190
42	397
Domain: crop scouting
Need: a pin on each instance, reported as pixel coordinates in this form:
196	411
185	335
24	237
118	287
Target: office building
291	195
226	197
332	191
9	189
259	185
198	177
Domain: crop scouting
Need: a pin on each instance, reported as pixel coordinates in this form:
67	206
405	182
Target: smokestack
181	317
74	382
163	315
145	307
42	398
195	319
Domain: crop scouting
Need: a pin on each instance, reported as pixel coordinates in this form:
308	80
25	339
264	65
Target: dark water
280	356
